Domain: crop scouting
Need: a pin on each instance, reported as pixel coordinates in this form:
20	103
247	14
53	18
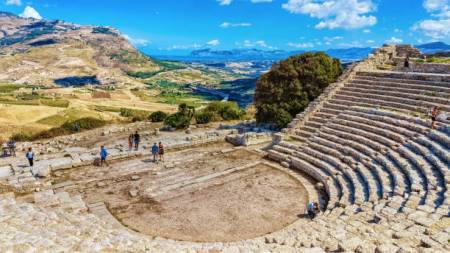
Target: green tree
290	85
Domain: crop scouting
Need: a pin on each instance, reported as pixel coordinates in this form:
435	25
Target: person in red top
434	115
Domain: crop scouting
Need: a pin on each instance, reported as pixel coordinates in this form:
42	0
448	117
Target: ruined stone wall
430	68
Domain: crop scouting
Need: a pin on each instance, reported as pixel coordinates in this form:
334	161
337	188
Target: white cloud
257	43
184	47
261	1
435	5
439	27
370	41
301	45
14	2
228	24
396	30
139	42
394	40
347	14
224	2
367	31
30	12
213	43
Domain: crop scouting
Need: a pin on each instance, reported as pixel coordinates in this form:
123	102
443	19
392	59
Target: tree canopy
290	85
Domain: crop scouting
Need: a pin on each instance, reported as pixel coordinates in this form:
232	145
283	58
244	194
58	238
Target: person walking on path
30	157
103	155
434	115
137	139
130	141
155	151
161	151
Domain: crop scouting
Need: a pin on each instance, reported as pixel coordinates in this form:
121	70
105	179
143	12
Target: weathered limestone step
209	182
162	189
408	76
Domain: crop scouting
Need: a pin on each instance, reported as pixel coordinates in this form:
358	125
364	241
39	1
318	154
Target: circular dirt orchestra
261	200
210	193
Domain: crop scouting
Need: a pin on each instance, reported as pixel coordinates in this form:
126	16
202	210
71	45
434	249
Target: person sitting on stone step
310	210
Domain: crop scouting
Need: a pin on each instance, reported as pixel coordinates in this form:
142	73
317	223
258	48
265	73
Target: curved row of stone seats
403	92
370	228
427	100
407	166
331	184
355	181
432	178
407	77
400	85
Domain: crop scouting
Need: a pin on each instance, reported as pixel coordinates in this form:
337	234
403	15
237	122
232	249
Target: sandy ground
241	209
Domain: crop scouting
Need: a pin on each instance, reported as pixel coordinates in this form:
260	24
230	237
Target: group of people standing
133	142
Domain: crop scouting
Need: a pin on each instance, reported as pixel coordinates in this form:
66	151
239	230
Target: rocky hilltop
54	52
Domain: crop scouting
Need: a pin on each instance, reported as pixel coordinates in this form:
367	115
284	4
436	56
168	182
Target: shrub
67	128
204	117
83	124
290	85
22	137
226	110
134	115
158	116
178	121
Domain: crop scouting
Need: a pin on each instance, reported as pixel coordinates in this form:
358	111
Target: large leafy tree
291	84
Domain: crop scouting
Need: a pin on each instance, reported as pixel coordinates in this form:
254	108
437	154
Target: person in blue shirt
30	156
103	155
155	151
311	210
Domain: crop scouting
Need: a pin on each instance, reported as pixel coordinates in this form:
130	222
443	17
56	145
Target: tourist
137	139
434	115
310	210
155	151
12	147
316	208
30	156
130	141
406	64
161	151
103	155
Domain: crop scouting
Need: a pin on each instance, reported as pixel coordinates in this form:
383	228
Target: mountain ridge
42	52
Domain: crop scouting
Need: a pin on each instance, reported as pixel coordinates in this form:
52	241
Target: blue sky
179	26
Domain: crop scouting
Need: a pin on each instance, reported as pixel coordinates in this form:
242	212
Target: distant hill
433	47
240	54
47	52
345	55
